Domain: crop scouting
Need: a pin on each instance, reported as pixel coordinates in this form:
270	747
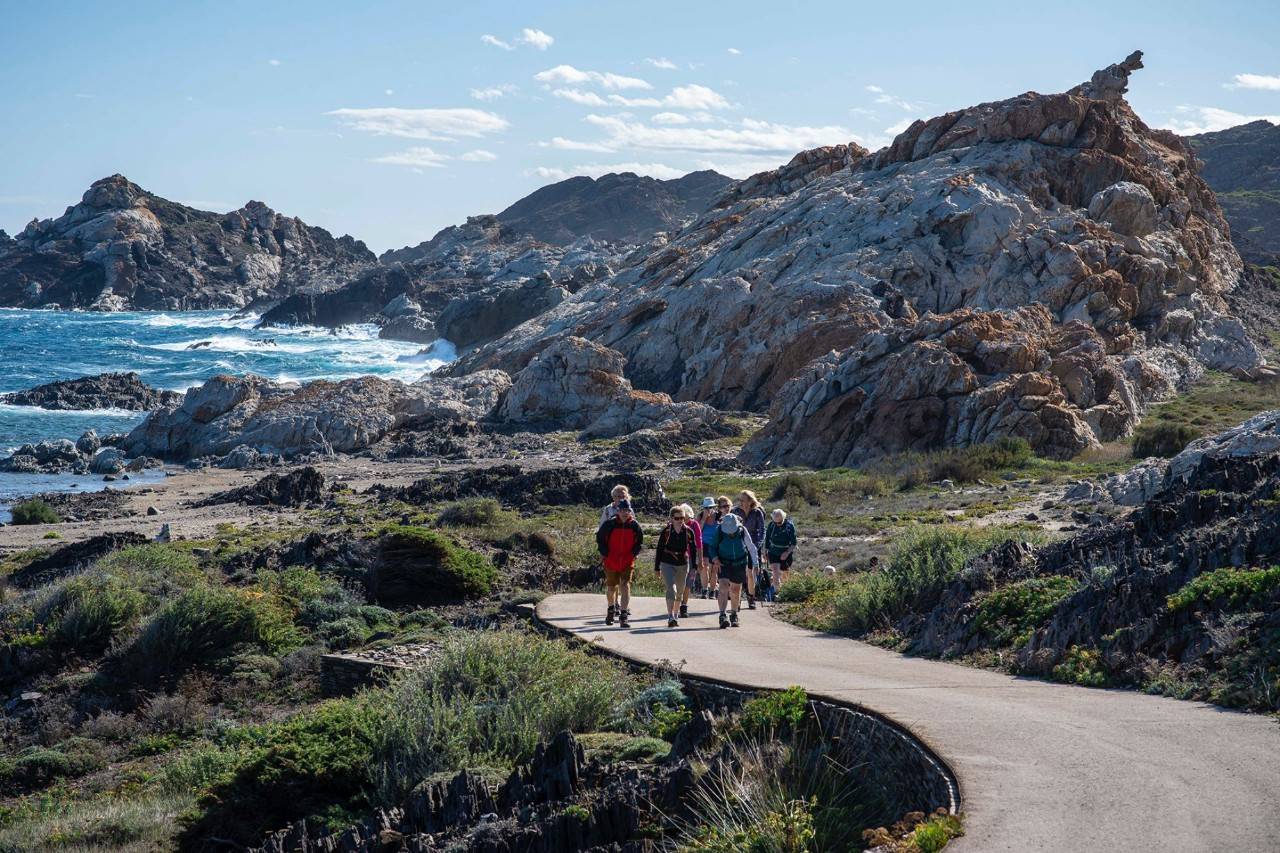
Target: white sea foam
85	413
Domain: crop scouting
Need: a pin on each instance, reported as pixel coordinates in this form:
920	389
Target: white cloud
670	118
436	124
875	89
578	96
1190	120
894	100
894	130
562	144
1268	82
661	62
536	38
742	167
389	91
695	97
734	51
749	135
494	41
595	170
273	62
492	93
479	155
417	157
575	76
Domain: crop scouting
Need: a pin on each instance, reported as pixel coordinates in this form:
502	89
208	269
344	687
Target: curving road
1042	767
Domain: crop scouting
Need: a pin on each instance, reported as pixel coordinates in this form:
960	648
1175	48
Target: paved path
1041	766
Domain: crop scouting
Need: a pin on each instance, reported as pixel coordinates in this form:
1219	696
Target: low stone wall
342	675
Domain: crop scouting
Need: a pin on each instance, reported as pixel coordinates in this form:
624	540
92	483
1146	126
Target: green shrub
472	512
37	766
1082	666
963	464
488	699
345	633
1229	589
285	771
34	511
91	610
1162	439
773	713
804	585
612	747
923	562
934	834
416	565
1010	614
159	571
207	624
797	490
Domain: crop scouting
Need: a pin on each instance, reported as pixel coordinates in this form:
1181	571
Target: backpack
732	549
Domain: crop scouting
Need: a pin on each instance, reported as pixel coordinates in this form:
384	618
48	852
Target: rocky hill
1039	267
1242	165
122	247
620	208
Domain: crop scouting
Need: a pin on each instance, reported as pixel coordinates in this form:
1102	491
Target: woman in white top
620	493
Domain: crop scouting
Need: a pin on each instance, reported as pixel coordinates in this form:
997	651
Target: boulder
410	327
108	460
578	384
285	419
88	443
46	457
104	391
479	317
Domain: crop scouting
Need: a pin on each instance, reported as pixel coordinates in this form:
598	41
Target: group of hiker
716	552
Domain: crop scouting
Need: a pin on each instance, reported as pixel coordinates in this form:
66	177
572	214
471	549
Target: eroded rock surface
104	391
1042	266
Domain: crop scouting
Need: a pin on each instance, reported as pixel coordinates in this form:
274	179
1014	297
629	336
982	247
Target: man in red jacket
619	540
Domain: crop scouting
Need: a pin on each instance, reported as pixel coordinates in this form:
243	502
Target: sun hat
708	503
729	524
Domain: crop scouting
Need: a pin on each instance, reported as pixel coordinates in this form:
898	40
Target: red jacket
619	544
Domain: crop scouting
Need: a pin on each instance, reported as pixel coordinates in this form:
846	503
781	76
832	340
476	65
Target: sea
42	346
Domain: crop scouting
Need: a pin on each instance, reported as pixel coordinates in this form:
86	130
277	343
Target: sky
391	120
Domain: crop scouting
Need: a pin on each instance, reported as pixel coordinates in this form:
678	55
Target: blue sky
391	120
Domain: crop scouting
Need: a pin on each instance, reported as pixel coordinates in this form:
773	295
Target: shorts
783	564
612	578
733	573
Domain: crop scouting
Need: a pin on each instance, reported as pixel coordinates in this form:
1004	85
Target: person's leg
624	592
682	584
735	597
610	595
669	589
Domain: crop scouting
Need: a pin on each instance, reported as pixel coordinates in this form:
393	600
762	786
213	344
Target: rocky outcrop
482	315
578	384
318	417
303	487
532	489
1242	165
123	247
104	391
1043	266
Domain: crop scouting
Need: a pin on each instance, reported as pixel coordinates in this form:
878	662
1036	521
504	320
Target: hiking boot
672	623
733	619
608	617
623	621
724	620
684	611
751	602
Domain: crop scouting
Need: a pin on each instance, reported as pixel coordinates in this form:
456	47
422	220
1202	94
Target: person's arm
657	552
752	550
635	549
602	540
604	513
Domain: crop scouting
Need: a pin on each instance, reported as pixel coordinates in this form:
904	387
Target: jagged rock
104	391
532	489
52	456
483	315
303	487
579	384
72	558
883	287
123	247
412	328
318	417
1242	165
88	443
244	457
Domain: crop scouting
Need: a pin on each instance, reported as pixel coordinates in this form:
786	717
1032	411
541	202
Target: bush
205	625
1082	666
473	512
964	464
612	747
923	562
1009	615
1162	439
1229	589
159	571
34	511
489	699
37	766
804	585
345	633
423	566
795	489
772	714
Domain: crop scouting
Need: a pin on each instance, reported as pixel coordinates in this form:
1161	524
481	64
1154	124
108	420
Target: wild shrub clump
472	512
797	490
964	464
34	511
774	714
417	565
1231	589
1010	614
1163	439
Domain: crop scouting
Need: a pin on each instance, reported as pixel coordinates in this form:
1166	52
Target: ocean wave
86	413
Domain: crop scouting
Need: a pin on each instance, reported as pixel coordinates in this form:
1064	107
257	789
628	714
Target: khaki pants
674	578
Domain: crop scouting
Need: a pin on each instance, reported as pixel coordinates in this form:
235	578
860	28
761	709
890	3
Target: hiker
619	540
748	509
676	548
735	557
709	521
697	559
780	547
619	493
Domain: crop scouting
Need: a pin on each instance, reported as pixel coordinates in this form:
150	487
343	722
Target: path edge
914	742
